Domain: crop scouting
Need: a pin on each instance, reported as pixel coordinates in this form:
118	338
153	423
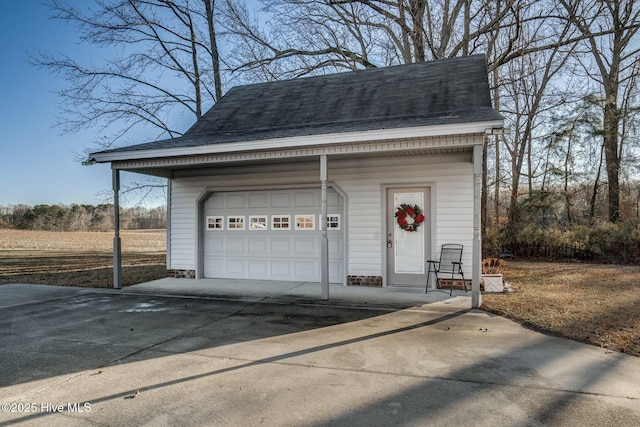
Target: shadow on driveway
212	362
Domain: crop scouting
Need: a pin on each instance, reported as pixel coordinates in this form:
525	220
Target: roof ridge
342	74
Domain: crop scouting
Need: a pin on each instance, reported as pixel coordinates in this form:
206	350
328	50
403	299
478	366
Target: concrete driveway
71	356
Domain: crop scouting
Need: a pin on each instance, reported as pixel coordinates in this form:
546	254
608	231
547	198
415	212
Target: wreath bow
409	217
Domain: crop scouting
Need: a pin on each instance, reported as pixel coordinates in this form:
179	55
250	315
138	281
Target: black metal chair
450	263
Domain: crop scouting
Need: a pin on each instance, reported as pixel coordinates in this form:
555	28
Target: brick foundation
373	281
457	284
182	274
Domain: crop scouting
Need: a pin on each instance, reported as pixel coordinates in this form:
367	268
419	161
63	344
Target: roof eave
298	141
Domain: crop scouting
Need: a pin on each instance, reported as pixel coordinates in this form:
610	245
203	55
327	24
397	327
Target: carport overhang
398	141
198	159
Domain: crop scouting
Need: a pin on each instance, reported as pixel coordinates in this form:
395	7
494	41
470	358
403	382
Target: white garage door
273	235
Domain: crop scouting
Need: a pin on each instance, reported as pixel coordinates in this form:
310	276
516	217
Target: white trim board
300	142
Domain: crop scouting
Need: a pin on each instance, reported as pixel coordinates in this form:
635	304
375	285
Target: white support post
324	243
476	263
117	244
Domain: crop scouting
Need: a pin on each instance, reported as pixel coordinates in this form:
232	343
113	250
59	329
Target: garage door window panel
258	222
215	223
235	222
305	222
333	221
281	222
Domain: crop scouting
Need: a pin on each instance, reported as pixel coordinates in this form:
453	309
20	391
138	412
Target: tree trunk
215	59
610	144
196	69
417	8
594	195
567	197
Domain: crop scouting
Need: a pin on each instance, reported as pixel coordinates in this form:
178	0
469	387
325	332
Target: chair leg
451	289
426	288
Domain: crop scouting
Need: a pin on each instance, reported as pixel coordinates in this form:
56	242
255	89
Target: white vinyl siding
450	177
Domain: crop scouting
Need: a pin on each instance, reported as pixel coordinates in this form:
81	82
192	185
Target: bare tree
160	61
210	7
528	93
437	29
163	60
613	56
573	151
314	36
523	90
301	37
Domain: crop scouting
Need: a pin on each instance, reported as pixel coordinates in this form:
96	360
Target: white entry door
408	235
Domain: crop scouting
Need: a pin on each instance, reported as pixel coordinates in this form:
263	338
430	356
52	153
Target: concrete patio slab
305	292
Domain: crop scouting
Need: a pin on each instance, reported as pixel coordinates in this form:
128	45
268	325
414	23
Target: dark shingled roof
421	94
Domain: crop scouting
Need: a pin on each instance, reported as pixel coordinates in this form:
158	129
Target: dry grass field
593	303
597	304
80	258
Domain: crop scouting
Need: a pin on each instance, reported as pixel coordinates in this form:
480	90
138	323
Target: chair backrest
450	253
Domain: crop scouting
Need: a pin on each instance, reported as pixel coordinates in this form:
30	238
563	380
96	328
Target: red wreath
409	217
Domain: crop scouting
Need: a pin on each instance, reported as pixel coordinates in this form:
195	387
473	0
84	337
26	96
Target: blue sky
37	164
